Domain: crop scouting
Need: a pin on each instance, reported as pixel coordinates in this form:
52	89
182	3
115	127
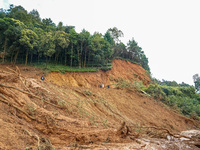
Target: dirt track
69	110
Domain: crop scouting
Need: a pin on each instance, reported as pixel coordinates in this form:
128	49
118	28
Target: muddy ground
70	111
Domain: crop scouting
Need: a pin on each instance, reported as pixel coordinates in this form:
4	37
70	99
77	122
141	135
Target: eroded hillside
121	70
68	111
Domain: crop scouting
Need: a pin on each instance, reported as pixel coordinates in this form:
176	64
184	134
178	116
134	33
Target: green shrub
126	84
156	91
106	68
183	98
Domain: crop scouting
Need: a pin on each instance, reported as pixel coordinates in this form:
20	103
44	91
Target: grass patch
126	84
63	68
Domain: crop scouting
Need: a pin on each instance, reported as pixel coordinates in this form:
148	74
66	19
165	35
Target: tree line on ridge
26	38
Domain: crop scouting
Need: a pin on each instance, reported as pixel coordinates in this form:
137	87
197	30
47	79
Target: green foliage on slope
183	98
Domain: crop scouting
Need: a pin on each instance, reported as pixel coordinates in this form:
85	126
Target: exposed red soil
72	110
121	70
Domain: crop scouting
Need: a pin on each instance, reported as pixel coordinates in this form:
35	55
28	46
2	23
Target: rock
184	139
191	133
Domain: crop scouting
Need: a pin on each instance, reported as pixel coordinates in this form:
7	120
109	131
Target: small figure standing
108	86
102	85
42	78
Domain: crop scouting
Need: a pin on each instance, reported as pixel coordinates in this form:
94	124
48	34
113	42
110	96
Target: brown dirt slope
121	70
67	111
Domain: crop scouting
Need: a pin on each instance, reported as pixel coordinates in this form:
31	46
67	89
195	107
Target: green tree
34	16
2	13
73	41
107	51
135	52
48	22
47	45
19	13
145	62
196	80
115	33
68	28
28	40
40	33
96	44
109	38
120	50
84	42
61	40
48	25
3	27
60	26
13	34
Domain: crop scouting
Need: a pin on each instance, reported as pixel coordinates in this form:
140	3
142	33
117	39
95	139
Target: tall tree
28	40
84	42
2	13
134	50
13	33
120	50
35	16
73	40
97	43
196	80
61	40
48	22
60	26
19	13
109	38
3	38
116	34
47	45
40	33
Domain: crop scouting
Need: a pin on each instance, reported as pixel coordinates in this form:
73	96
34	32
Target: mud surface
70	111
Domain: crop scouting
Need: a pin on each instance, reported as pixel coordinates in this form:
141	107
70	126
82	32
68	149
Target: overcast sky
167	30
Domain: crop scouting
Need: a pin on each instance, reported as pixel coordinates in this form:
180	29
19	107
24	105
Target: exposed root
10	104
125	131
6	72
38	139
12	70
12	87
42	143
18	73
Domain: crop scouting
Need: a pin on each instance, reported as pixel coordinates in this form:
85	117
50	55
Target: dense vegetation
26	38
182	97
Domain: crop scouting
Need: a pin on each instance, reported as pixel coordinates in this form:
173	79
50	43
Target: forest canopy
26	38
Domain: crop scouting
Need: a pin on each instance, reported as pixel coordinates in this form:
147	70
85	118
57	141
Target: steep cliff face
121	70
